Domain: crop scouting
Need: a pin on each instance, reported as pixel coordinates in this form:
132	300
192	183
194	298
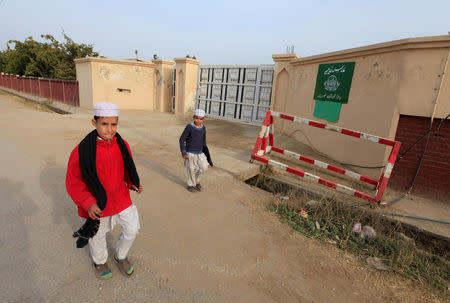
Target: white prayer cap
105	109
199	112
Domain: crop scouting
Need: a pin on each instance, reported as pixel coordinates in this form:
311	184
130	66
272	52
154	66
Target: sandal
192	189
103	271
124	265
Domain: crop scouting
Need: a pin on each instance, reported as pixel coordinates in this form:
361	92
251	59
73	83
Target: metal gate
240	93
174	86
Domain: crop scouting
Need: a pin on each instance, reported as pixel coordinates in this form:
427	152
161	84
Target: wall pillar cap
163	61
433	42
187	60
115	61
284	57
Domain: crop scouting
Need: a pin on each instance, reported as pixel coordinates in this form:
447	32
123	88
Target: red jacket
112	174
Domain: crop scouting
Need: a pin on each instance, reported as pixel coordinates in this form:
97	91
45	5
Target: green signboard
327	110
334	81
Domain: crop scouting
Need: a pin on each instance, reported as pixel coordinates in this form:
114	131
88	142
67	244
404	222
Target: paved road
219	245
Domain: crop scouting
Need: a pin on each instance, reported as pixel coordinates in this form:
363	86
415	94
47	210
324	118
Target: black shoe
198	187
192	189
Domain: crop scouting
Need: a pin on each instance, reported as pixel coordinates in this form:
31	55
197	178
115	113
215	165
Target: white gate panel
240	93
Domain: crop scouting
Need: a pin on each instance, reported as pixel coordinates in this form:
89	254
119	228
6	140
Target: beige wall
150	83
186	85
107	76
389	79
163	84
418	81
84	77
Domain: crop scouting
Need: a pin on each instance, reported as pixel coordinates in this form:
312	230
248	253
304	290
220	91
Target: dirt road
219	245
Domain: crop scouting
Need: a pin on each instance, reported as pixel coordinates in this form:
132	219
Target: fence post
50	86
77	95
64	95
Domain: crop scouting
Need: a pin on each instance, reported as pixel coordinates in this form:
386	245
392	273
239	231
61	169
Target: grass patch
331	221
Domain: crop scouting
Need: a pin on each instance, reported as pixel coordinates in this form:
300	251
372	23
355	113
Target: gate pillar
186	85
164	70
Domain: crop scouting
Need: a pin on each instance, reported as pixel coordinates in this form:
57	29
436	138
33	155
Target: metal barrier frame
265	144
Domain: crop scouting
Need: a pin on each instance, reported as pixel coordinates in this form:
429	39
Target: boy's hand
185	156
138	190
95	212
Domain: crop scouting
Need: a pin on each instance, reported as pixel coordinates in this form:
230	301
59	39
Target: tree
48	59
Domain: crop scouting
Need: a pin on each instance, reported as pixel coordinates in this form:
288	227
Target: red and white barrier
266	134
338	129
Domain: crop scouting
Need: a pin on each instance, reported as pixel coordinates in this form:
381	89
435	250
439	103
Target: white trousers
129	221
196	164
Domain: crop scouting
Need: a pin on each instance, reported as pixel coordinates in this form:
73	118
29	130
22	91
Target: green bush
48	59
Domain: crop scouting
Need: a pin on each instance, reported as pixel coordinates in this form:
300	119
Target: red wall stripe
336	169
295	171
290	118
351	133
277	149
307	159
316	124
327	183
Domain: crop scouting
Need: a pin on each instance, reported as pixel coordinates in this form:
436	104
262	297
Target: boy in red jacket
100	174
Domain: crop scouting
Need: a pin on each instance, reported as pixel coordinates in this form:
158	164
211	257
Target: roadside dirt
219	245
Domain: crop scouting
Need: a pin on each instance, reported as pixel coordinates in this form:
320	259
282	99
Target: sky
223	32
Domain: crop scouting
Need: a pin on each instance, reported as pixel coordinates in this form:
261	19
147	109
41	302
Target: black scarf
87	150
205	150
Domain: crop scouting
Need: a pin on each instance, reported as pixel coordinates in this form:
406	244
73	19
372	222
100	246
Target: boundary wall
138	84
128	83
65	91
390	80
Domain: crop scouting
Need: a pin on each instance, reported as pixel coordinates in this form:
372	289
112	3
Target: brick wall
433	179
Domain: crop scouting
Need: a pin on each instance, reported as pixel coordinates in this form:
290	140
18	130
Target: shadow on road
160	169
16	262
52	181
